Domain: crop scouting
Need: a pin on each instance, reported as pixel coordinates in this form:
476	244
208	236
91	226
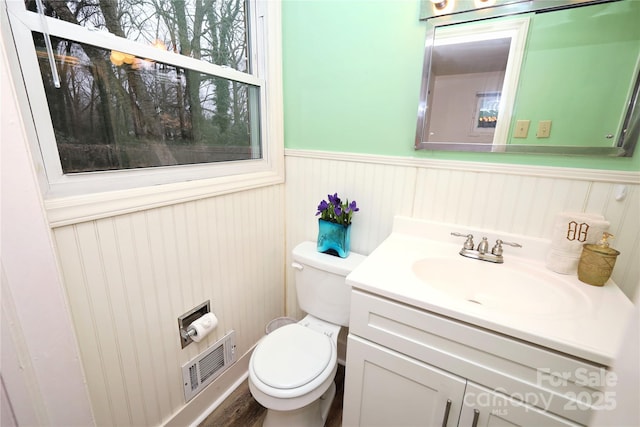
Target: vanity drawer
549	380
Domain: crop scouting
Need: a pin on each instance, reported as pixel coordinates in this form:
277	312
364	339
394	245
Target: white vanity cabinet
410	367
392	389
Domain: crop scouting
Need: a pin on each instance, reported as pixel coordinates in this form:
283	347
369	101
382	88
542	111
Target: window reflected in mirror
465	89
474	71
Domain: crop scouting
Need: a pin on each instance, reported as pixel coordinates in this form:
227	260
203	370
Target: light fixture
439	4
159	44
117	58
484	3
443	7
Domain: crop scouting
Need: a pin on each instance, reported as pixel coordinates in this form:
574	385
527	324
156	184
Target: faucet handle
497	249
468	244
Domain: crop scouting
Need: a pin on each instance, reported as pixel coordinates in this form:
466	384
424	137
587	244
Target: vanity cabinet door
385	388
483	407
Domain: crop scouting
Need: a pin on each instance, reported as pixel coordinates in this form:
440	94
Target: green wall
577	69
352	71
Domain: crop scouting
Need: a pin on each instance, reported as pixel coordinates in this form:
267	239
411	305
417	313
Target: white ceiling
471	57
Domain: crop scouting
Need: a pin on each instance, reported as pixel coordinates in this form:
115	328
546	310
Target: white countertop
593	331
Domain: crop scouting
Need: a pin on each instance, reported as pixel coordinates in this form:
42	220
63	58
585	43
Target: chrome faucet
482	251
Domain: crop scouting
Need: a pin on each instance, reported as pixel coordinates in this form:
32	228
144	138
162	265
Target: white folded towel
570	232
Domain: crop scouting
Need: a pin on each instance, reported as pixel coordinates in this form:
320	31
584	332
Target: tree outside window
115	110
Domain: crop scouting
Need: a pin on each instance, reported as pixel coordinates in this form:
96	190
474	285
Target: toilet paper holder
188	318
190	332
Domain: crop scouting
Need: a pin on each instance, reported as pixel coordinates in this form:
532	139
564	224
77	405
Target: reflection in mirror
472	82
570	83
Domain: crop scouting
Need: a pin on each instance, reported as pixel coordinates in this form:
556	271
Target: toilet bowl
292	369
291	372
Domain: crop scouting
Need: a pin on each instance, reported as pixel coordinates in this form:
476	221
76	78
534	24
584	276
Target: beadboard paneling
523	202
129	277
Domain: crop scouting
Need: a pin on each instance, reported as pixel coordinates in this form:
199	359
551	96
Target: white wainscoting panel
128	278
514	199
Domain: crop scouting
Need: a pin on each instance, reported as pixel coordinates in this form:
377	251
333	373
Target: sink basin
512	287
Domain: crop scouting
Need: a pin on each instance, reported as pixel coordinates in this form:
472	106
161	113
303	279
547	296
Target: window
149	92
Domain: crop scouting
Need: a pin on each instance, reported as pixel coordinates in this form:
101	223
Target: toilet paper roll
203	326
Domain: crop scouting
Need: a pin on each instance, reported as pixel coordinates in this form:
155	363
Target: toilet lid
291	356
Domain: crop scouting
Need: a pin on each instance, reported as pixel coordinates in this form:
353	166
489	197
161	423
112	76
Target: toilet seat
292	360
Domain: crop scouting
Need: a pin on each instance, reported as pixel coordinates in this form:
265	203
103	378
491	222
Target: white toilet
292	369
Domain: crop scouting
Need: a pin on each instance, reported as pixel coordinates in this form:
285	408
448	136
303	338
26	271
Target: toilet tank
320	282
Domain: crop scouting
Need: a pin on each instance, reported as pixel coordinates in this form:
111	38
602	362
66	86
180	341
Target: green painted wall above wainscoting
352	71
567	52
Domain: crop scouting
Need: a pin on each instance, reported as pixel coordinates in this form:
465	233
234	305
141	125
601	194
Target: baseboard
198	408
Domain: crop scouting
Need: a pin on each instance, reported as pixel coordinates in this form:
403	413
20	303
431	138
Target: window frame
71	198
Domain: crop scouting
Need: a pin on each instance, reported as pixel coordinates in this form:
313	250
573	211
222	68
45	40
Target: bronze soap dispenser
597	261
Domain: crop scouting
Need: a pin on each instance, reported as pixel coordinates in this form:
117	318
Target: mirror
518	80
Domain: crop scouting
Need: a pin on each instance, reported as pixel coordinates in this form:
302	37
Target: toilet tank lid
307	253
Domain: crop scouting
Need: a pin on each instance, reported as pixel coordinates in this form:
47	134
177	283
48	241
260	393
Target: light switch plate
544	129
522	129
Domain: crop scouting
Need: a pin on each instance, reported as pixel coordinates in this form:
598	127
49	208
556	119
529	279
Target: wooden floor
241	409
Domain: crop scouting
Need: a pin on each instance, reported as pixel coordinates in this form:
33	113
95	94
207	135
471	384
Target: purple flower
352	207
337	211
323	206
334	200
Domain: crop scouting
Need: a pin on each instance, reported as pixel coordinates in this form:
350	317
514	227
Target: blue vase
334	239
